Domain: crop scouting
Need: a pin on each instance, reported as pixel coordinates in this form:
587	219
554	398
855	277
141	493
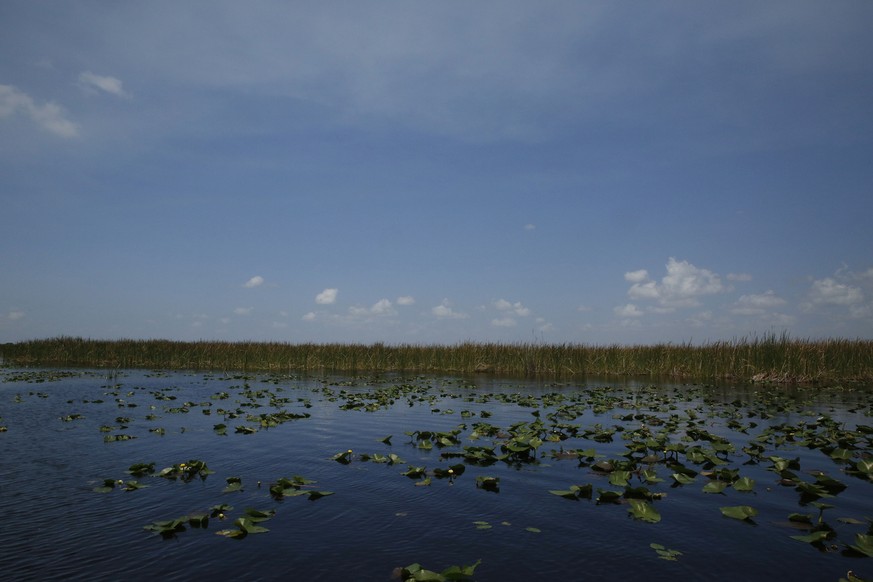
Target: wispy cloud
48	116
636	276
255	281
406	300
444	311
243	310
382	307
327	297
757	304
629	310
91	82
842	295
829	291
517	308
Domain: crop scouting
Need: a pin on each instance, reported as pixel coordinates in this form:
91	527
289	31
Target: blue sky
436	172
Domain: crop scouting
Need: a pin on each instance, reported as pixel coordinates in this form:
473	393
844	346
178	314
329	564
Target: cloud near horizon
383	307
444	311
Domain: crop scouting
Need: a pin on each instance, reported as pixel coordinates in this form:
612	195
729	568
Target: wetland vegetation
770	358
430	477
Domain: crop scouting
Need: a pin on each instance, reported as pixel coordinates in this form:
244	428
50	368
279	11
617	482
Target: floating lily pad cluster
667	443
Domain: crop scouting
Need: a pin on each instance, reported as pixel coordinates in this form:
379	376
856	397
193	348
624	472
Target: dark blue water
56	527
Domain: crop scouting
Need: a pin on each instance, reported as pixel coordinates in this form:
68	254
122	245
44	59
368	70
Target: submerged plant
664	553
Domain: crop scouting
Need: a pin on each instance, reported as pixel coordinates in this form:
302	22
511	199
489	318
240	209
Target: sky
436	172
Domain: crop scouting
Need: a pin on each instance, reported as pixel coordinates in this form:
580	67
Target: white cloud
636	276
738	277
383	307
681	287
309	316
89	81
48	116
828	291
255	281
445	311
757	304
517	307
629	310
503	322
243	310
327	297
405	300
647	290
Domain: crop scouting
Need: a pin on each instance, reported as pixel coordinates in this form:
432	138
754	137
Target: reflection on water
57	527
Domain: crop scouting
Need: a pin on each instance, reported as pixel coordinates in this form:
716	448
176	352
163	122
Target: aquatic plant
417	573
664	553
248	524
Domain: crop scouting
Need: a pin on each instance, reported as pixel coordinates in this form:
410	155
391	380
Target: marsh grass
770	358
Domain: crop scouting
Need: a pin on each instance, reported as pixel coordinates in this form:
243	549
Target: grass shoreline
777	359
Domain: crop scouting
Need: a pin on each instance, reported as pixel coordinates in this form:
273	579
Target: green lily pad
644	511
863	544
743	512
168	528
682	479
715	487
815	537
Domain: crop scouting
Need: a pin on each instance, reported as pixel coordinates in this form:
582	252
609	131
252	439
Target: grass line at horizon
771	358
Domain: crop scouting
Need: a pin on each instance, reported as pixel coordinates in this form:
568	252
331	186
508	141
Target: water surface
59	445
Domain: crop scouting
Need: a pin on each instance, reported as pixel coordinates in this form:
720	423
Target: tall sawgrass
768	358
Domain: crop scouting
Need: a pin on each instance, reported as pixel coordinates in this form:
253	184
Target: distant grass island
771	358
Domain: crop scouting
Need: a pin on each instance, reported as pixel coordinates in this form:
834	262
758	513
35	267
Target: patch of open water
54	452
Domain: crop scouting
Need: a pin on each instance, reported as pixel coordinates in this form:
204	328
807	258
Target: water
56	527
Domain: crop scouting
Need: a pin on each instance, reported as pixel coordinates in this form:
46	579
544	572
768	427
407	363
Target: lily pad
742	512
644	511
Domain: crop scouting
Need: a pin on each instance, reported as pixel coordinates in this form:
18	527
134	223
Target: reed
769	358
